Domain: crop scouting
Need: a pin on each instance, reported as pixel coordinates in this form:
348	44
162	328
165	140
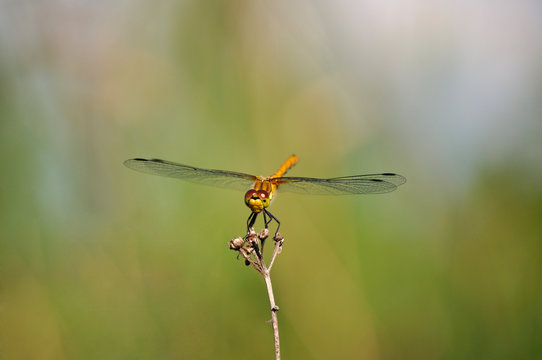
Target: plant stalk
274	309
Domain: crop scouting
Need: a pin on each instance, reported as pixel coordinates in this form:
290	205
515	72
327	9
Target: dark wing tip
394	178
144	160
130	162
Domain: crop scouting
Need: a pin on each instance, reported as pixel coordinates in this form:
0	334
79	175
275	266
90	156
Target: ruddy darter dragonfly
263	189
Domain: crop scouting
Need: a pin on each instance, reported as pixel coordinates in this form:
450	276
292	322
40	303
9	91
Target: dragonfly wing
219	178
356	184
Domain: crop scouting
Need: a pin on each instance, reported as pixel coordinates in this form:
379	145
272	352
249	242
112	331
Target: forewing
219	178
356	184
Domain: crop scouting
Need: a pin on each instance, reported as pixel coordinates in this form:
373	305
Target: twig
251	249
278	248
274	309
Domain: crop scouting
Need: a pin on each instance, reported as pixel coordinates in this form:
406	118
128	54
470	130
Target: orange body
291	161
261	194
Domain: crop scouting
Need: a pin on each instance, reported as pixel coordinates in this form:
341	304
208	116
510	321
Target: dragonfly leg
251	220
250	224
266	222
272	217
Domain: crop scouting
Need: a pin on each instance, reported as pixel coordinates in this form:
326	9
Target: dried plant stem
278	247
251	249
274	309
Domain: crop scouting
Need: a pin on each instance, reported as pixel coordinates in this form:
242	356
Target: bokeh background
100	262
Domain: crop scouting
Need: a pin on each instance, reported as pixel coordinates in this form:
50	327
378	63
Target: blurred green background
100	262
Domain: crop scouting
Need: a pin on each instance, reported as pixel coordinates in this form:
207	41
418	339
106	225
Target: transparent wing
356	184
219	178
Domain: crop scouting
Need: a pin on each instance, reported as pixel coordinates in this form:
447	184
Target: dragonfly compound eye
250	194
253	201
257	200
264	196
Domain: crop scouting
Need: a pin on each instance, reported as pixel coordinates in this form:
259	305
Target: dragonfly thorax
257	200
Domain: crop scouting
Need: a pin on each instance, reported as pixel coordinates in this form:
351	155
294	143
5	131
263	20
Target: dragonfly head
257	200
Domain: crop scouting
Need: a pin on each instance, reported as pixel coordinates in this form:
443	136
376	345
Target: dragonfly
262	190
